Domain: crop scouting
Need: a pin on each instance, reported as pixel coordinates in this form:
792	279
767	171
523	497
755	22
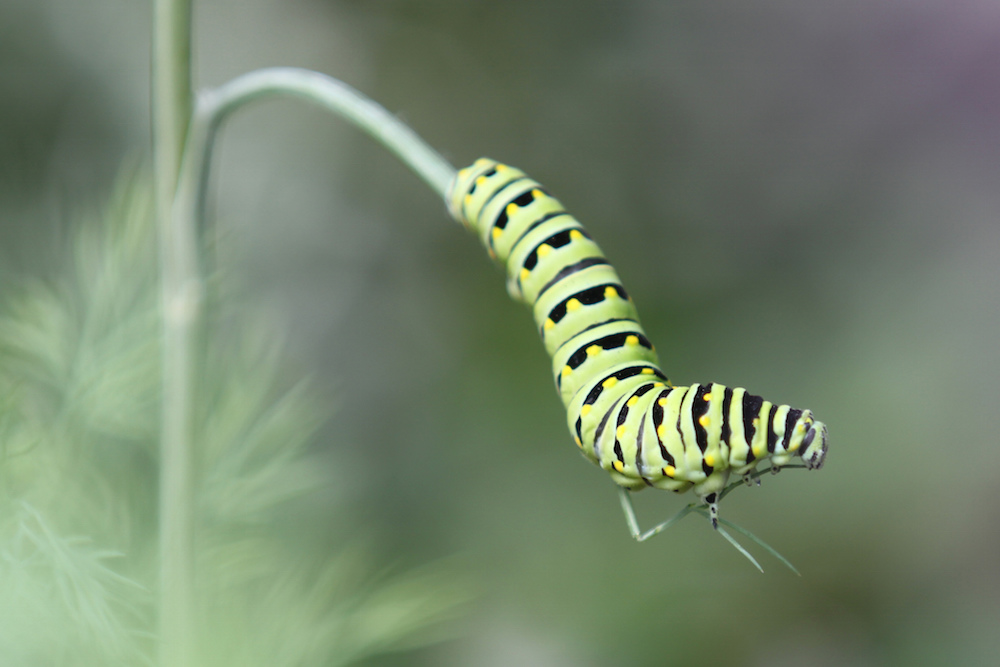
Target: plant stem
171	90
183	299
337	97
179	305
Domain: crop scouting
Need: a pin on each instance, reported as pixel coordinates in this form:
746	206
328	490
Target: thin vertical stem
171	89
180	304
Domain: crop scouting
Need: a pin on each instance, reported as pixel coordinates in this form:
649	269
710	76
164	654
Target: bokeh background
801	197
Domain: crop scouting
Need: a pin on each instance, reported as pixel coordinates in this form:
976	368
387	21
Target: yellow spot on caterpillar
537	194
549	324
502	167
511	210
662	402
710	460
578	443
575	235
544	250
661	430
463	173
468	199
566	371
658	384
669	471
480	180
525	273
610	292
795	447
594	350
618	465
707	397
620	431
632	401
573	304
585	410
631	340
704	421
497	232
647	371
758	451
610	382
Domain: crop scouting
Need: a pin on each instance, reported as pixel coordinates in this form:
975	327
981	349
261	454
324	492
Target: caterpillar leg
633	523
712	500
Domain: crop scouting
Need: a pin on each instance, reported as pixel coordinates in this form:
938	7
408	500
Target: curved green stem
214	106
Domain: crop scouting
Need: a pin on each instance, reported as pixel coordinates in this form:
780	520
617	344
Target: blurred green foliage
79	373
801	198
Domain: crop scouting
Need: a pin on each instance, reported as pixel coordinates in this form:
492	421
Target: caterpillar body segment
622	411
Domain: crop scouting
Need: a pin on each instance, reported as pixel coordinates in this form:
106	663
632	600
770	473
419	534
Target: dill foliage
79	428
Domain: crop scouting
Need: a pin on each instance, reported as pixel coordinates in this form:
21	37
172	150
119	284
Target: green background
801	197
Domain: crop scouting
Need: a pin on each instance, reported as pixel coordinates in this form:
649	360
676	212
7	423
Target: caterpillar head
814	444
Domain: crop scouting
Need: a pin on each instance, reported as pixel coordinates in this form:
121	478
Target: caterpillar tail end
460	190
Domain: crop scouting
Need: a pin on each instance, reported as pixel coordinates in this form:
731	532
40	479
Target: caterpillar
622	411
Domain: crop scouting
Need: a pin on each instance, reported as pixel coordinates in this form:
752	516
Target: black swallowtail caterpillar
623	413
